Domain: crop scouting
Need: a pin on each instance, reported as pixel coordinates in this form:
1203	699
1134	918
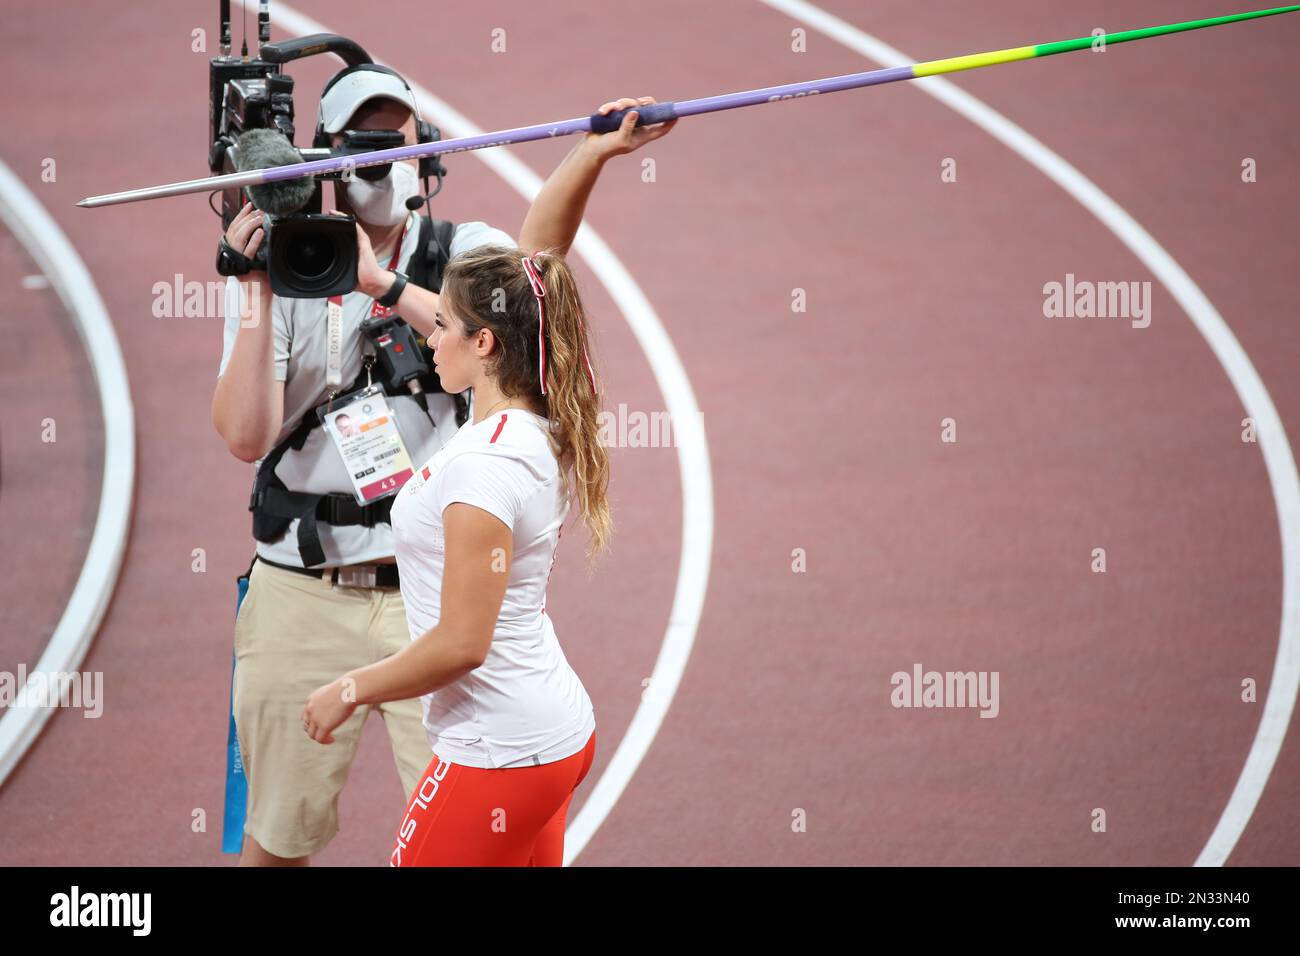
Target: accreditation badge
364	430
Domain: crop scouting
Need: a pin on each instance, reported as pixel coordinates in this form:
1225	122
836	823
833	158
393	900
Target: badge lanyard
334	345
364	429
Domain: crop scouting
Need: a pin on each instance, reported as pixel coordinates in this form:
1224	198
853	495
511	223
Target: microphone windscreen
262	149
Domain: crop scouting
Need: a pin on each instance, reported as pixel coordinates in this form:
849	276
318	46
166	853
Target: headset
425	132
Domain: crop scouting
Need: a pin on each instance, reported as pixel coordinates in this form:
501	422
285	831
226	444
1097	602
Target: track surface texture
850	540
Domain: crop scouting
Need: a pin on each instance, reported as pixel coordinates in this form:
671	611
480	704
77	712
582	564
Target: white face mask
383	203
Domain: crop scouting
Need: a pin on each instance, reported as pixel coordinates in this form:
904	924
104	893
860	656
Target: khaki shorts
292	635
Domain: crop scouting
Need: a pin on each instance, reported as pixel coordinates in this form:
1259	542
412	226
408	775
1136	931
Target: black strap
344	510
274	506
386	575
231	262
435	240
389	298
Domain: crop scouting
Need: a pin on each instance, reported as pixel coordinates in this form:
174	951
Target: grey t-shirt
299	329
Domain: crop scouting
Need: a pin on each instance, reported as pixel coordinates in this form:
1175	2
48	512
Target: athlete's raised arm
556	212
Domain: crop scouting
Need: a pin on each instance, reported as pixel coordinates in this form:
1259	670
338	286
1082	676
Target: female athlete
476	527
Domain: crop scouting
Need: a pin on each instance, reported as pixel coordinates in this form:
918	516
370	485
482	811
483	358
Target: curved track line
49	247
692	461
1278	458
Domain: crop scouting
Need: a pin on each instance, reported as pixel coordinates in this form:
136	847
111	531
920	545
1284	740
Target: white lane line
692	458
1278	458
67	648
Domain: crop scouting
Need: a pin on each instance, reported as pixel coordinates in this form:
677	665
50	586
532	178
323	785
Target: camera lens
310	256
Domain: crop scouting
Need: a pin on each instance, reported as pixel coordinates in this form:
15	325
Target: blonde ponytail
489	287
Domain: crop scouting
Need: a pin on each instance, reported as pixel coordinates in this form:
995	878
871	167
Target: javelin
661	112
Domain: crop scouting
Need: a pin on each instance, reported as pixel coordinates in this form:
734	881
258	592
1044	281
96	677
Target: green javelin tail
956	63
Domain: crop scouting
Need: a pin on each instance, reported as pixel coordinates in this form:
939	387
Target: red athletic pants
473	816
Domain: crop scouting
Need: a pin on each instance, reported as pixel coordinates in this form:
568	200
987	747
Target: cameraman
304	622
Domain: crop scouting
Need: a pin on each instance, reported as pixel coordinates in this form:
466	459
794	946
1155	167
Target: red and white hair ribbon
539	290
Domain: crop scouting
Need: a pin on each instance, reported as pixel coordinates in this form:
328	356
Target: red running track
924	301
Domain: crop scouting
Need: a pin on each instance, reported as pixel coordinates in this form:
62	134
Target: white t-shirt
524	705
299	330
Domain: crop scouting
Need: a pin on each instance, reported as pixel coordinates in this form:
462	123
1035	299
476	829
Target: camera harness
273	505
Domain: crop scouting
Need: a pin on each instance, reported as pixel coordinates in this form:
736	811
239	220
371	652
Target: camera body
306	254
244	95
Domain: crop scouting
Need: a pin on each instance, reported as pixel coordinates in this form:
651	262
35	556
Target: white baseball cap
344	97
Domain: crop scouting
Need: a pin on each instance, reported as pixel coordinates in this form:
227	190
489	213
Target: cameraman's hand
245	236
627	137
245	233
372	278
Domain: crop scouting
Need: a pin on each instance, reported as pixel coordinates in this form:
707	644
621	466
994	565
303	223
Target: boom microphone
262	149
